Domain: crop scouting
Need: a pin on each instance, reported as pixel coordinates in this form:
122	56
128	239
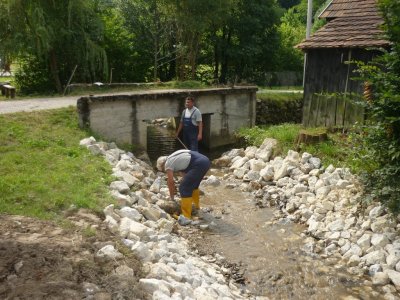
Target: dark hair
190	98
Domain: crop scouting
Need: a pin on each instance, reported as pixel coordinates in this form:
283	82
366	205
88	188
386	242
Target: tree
119	44
61	34
152	24
381	133
245	44
292	31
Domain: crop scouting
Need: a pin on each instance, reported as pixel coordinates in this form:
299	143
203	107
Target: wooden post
69	81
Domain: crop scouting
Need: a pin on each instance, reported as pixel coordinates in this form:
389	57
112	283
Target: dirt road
8	107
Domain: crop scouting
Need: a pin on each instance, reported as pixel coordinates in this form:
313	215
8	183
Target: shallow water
271	254
275	266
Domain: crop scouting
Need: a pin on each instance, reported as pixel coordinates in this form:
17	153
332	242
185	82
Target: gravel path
8	107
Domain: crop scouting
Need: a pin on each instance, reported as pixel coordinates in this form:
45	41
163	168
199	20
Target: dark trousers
194	173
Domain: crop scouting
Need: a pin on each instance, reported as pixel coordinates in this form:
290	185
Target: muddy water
271	254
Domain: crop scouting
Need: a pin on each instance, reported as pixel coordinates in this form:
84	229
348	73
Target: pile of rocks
173	270
327	200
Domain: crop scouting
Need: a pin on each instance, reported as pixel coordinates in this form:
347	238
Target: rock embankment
173	270
328	201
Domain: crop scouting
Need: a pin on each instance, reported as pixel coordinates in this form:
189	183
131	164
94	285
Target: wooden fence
331	111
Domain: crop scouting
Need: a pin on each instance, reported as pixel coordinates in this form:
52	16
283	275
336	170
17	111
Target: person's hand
199	137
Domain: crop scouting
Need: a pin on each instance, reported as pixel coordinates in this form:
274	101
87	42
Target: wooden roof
351	24
342	8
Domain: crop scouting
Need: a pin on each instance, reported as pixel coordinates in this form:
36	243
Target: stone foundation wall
123	118
273	112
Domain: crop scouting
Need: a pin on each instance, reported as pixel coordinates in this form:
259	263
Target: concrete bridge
124	118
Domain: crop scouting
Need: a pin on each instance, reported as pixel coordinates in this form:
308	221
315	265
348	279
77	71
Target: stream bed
271	254
273	258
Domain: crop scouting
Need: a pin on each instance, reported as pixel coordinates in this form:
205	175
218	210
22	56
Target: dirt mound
42	260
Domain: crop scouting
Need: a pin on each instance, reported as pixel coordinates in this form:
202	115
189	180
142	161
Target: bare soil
45	260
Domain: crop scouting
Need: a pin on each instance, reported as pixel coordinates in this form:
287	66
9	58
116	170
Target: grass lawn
44	170
338	150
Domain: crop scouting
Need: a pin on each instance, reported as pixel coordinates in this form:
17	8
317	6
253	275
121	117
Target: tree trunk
155	60
216	63
54	71
193	54
225	59
307	138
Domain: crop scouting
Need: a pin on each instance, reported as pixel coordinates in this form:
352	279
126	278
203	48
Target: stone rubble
325	200
328	202
173	270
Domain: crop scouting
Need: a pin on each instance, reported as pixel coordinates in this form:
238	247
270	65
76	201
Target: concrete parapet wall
123	118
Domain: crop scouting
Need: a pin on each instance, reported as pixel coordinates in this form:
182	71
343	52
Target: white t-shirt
196	115
178	161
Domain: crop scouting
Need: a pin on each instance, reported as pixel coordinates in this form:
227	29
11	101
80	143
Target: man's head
189	102
161	163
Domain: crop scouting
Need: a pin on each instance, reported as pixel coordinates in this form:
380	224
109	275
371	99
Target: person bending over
193	167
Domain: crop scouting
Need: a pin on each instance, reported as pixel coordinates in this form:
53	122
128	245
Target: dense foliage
381	134
149	40
54	36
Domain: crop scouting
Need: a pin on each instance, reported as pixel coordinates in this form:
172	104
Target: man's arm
171	184
200	136
179	129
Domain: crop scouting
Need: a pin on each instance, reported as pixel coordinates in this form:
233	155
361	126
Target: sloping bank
173	270
326	200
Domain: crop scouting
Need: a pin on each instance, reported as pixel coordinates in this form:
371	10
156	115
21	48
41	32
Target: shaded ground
41	260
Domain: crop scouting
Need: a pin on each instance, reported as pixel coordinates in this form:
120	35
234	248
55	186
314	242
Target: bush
33	77
380	143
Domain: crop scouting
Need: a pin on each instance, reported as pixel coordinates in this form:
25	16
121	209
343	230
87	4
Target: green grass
279	97
338	150
280	88
94	90
44	170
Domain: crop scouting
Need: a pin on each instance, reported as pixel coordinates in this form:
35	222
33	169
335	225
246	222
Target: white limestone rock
87	141
376	212
266	149
120	186
239	172
95	149
337	225
375	257
315	161
109	252
380	278
130	213
239	163
305	157
250	152
150	285
281	172
212	181
156	185
364	241
251	176
267	173
379	240
394	277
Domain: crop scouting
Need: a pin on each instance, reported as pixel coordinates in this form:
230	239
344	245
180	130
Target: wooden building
352	32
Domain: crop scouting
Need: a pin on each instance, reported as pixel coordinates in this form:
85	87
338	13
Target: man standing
191	124
193	167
